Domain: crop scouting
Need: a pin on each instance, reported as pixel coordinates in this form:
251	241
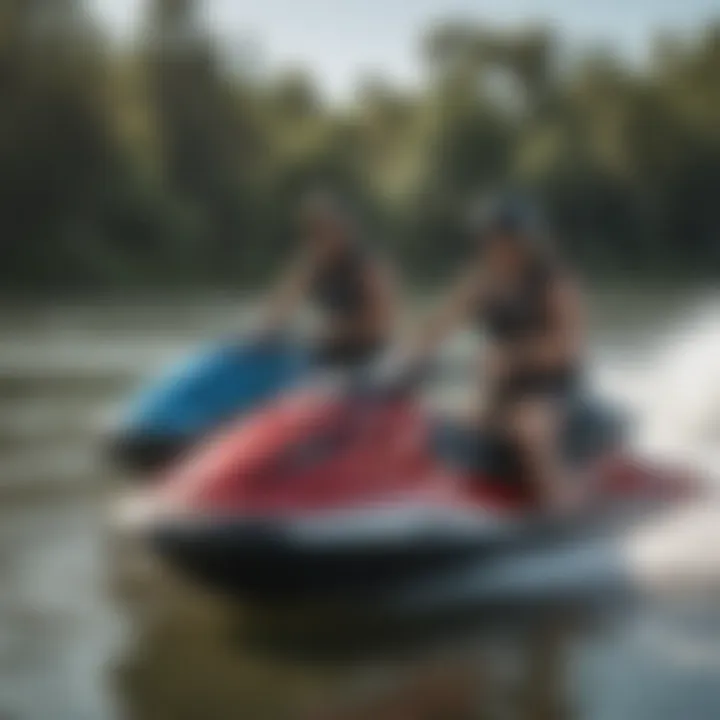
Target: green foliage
162	163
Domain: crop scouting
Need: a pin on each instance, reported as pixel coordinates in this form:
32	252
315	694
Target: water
82	637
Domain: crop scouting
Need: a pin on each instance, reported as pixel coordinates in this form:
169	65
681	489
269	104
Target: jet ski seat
591	430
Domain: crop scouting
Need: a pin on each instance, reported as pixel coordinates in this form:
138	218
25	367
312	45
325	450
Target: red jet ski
326	495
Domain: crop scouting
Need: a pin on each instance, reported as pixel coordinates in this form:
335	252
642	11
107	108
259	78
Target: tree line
169	161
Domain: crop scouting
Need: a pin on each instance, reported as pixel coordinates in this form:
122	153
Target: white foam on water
675	392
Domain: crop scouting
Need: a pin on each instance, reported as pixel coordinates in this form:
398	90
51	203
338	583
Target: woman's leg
534	423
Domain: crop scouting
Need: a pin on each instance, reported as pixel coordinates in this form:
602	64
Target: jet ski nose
212	549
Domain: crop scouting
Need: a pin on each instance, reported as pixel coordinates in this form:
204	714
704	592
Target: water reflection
197	657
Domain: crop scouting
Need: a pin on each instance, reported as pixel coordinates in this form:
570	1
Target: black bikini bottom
562	385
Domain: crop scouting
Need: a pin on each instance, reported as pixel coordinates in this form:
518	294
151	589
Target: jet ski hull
303	503
323	556
373	554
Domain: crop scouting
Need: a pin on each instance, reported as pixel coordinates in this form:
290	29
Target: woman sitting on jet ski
530	308
352	289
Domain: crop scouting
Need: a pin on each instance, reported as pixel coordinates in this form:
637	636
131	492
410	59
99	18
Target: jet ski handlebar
390	377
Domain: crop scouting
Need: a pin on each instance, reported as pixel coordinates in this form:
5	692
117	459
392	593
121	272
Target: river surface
78	641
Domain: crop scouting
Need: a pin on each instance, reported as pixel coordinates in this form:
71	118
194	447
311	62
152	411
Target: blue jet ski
215	385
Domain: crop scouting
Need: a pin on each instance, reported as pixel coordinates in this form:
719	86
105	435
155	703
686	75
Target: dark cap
508	214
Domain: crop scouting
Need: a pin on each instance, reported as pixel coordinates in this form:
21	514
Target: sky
339	40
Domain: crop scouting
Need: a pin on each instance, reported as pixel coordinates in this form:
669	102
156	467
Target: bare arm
465	297
382	309
284	300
